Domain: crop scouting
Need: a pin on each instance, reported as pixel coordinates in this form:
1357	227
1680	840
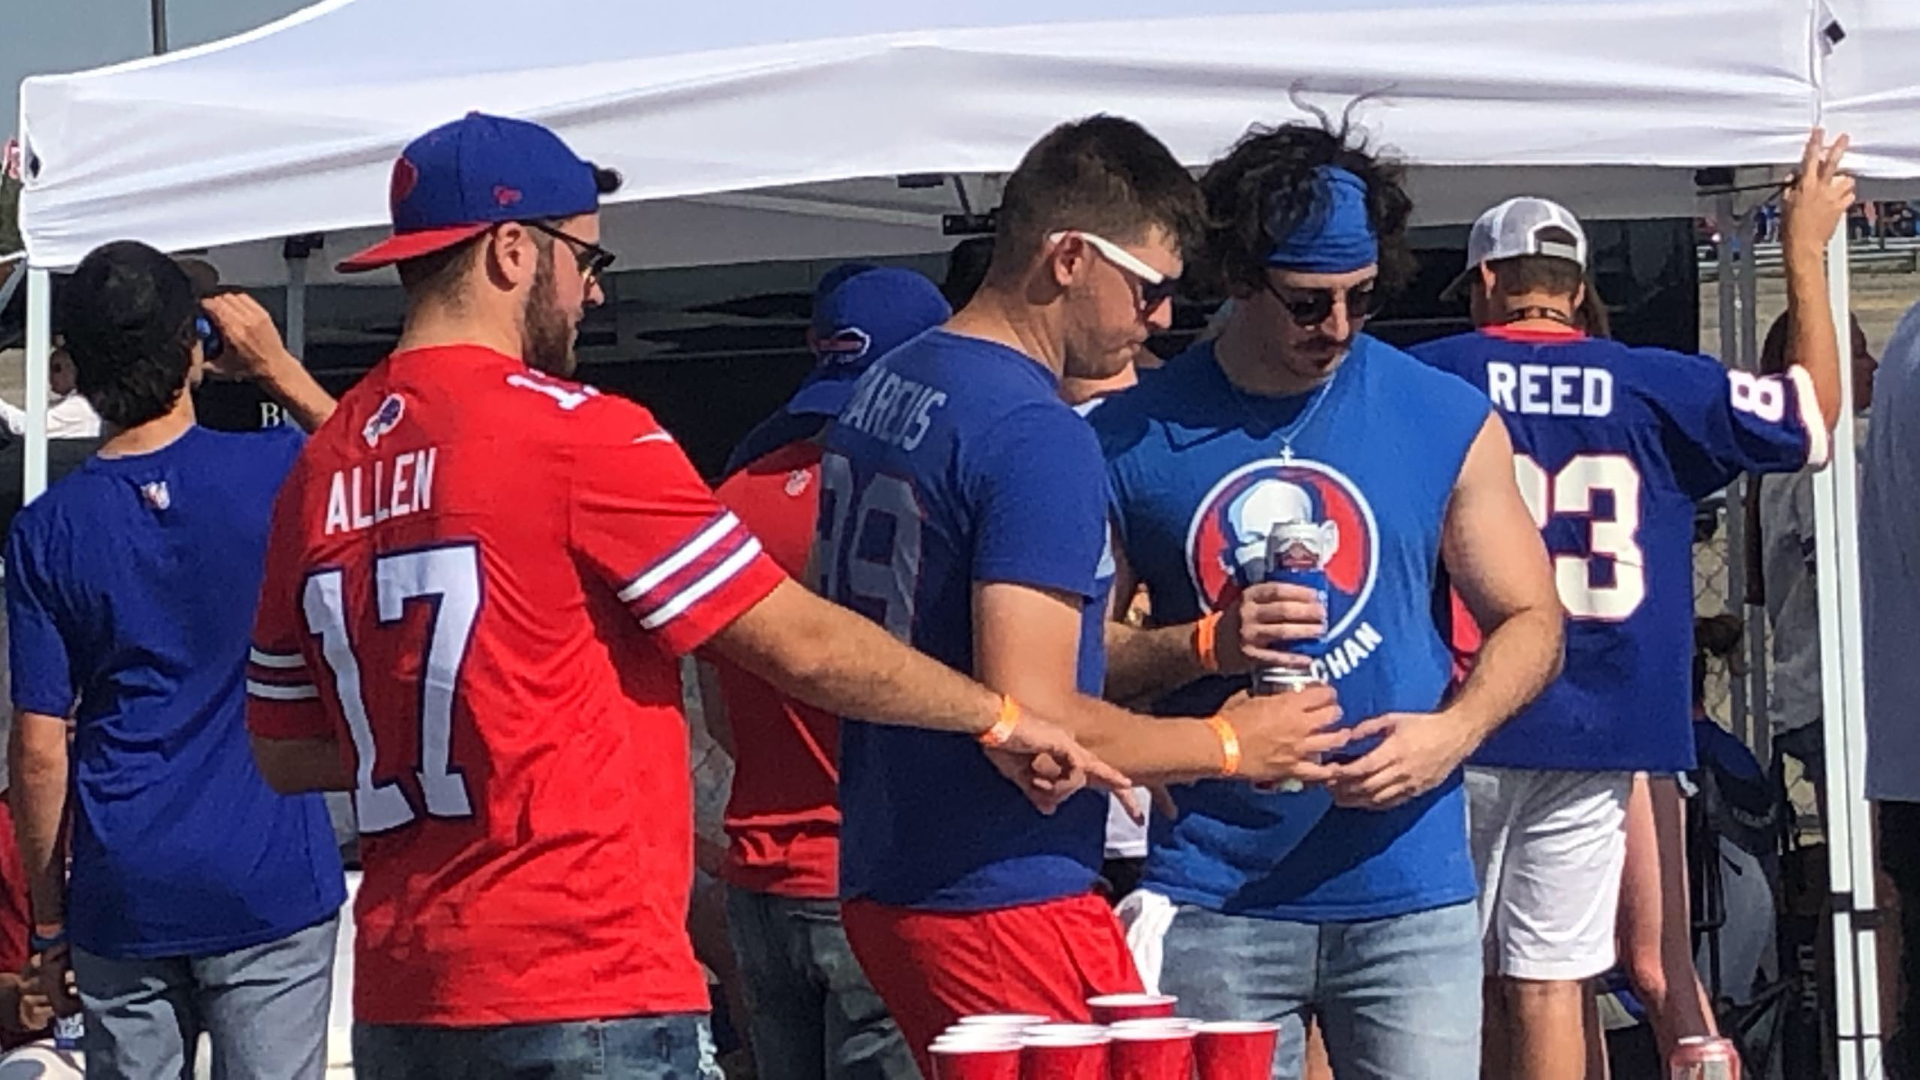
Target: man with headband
1291	432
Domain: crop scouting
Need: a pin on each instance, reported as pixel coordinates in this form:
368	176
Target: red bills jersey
479	581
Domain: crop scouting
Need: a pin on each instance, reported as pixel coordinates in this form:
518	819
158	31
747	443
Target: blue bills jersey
1613	446
956	463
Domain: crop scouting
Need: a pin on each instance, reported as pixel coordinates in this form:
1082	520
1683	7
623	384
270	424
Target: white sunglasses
1154	285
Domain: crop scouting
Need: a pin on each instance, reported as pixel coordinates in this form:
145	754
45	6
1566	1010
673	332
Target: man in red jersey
483	575
814	1014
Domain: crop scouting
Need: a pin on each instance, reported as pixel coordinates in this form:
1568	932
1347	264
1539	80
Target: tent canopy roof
761	129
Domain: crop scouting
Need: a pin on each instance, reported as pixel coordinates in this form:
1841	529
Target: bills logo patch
842	346
156	494
797	482
1325	518
384	419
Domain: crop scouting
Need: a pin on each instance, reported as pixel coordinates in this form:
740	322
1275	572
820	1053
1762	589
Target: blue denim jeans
630	1048
1397	998
263	1008
814	1015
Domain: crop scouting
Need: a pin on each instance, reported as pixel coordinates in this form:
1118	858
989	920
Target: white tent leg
1849	824
1753	720
39	352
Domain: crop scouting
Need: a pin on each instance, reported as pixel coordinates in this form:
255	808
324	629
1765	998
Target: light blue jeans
264	1010
1397	998
675	1047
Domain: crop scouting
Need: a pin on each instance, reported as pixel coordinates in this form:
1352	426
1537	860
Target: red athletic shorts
934	967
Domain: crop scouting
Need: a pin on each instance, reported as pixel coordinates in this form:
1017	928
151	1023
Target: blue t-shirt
131	587
1614	445
1201	474
956	463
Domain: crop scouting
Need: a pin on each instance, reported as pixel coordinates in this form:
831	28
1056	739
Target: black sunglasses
592	259
1310	307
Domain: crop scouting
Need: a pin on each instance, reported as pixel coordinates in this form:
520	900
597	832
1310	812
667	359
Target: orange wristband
1203	642
1002	729
1229	745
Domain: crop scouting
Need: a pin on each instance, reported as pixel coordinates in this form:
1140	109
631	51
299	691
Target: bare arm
255	350
1143	662
293	766
37	793
1815	206
1026	643
1499	566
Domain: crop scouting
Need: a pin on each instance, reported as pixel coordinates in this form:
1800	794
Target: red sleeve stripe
644	589
272	692
743	555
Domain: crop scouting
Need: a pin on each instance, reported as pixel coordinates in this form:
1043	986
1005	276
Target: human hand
1284	736
1416	752
50	980
254	346
1255	630
1049	766
1817	200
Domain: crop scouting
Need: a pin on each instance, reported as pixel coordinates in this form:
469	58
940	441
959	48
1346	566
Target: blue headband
1336	236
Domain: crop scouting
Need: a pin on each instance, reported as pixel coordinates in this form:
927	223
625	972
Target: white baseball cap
1524	225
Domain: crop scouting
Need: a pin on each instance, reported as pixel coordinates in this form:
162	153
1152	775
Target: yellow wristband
1204	651
1002	729
1229	745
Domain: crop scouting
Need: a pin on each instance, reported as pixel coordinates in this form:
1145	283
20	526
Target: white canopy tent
766	130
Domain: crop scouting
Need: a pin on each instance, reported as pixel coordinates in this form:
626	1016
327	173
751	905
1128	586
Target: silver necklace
1291	431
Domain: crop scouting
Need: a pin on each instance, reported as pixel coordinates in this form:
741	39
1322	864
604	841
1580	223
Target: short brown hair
1548	274
1102	175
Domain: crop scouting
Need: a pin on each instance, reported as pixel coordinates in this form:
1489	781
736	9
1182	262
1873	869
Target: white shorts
1548	848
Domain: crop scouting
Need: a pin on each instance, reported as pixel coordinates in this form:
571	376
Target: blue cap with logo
463	178
860	314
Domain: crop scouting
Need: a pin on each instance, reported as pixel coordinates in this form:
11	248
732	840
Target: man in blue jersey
201	900
961	508
1350	901
1613	446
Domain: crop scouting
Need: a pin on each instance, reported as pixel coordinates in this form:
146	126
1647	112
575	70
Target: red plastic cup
1015	1021
1113	1008
1064	1057
1150	1053
1235	1050
975	1060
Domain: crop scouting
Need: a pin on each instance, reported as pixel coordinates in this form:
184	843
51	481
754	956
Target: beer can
1283	568
1704	1057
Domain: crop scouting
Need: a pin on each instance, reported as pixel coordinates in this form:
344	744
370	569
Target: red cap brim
403	246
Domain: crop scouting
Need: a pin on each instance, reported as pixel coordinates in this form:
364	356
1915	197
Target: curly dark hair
1264	188
127	313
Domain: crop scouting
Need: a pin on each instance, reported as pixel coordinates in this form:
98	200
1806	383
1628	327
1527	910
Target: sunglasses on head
1309	308
592	259
1155	287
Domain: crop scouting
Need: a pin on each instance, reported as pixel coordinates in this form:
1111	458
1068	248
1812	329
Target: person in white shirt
68	414
1781	547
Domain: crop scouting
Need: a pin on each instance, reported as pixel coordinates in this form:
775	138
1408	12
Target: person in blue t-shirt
1350	901
962	508
1613	446
199	900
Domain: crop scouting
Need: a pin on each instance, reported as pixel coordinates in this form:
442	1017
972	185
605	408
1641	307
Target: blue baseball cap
463	178
859	315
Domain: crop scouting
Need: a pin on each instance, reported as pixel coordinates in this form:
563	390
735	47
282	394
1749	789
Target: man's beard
546	332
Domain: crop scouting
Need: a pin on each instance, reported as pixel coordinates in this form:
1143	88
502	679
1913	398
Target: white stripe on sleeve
272	692
697	591
277	661
678	561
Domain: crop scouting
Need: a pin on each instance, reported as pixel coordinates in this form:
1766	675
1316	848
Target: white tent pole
1754	728
1848	825
39	352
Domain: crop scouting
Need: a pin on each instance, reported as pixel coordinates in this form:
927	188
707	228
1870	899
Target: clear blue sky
41	36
